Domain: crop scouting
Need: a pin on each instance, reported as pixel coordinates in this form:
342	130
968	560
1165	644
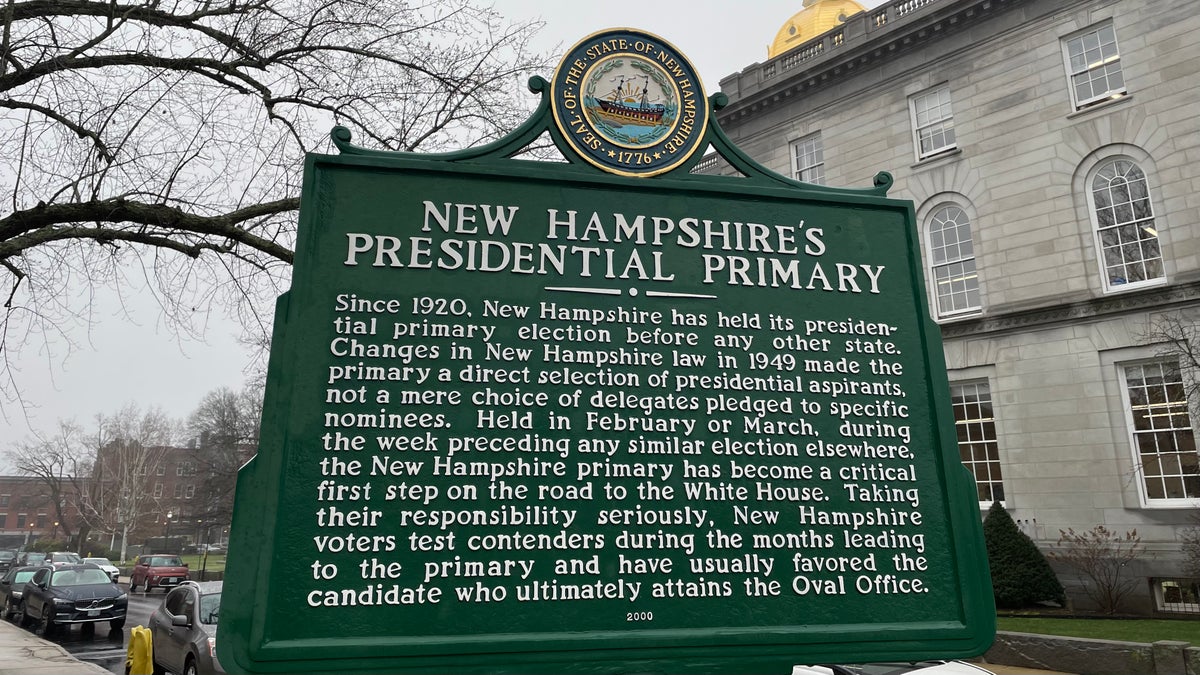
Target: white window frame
1187	588
808	159
939	260
1105	60
930	120
1134	435
158	490
994	441
1147	223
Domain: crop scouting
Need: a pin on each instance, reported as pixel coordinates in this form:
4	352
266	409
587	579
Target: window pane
1095	66
955	280
976	430
808	160
1125	223
1162	431
933	121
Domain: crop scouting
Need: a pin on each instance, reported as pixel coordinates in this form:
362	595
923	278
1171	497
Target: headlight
63	602
123	596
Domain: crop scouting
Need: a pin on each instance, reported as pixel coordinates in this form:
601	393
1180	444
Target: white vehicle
106	565
918	668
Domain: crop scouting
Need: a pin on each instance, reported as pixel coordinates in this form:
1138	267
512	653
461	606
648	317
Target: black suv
70	594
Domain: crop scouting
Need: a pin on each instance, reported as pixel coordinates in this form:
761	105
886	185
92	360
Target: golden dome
817	17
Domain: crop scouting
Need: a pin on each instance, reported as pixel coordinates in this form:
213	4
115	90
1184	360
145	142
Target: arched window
952	254
1125	231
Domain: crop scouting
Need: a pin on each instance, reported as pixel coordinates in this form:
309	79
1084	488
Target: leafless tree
225	426
163	139
129	446
60	463
1100	558
1177	335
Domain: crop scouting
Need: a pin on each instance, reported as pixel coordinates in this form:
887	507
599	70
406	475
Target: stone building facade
1051	149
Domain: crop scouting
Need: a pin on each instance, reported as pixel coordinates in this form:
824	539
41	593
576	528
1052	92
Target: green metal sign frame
528	416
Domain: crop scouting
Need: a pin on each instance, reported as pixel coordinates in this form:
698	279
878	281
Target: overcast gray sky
119	361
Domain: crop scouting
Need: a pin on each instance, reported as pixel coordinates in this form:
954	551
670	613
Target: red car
157	571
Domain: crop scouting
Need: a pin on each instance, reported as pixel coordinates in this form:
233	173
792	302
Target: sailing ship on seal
617	106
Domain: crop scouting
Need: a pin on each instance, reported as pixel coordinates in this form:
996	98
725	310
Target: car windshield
82	577
98	561
34	558
64	558
164	561
23	576
210	607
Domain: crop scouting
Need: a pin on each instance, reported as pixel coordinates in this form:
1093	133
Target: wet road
96	643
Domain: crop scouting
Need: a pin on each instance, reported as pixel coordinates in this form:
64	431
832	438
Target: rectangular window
3	521
160	471
158	489
21	518
4	500
933	122
178	491
977	445
1164	444
1178	595
179	469
1094	66
808	160
42	520
191	492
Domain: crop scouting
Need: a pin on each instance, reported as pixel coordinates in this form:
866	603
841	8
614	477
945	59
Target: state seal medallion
629	103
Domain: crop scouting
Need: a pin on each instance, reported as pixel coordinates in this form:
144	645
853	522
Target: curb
23	653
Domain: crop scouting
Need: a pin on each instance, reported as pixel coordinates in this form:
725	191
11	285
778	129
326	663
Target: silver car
184	629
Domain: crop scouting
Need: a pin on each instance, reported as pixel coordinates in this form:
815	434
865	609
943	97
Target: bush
1099	557
48	546
1021	576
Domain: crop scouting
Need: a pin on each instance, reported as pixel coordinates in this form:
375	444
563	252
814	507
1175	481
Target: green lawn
216	562
1127	630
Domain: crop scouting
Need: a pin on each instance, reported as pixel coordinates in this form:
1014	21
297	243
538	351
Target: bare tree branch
171	137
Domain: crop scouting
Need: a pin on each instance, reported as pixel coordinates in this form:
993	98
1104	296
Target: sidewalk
23	653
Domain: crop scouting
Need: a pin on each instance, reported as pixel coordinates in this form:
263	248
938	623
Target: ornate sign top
629	103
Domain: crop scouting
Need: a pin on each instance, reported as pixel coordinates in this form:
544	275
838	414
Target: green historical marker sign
601	416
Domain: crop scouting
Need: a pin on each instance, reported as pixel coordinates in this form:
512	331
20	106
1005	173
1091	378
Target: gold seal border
586	153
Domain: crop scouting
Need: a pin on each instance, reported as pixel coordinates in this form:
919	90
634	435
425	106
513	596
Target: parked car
919	668
31	558
12	585
157	571
7	558
60	558
184	629
73	594
106	565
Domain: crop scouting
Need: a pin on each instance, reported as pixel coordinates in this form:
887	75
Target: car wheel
132	585
190	667
9	610
46	626
117	624
23	619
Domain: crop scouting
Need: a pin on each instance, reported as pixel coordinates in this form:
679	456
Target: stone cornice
1158	298
866	39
